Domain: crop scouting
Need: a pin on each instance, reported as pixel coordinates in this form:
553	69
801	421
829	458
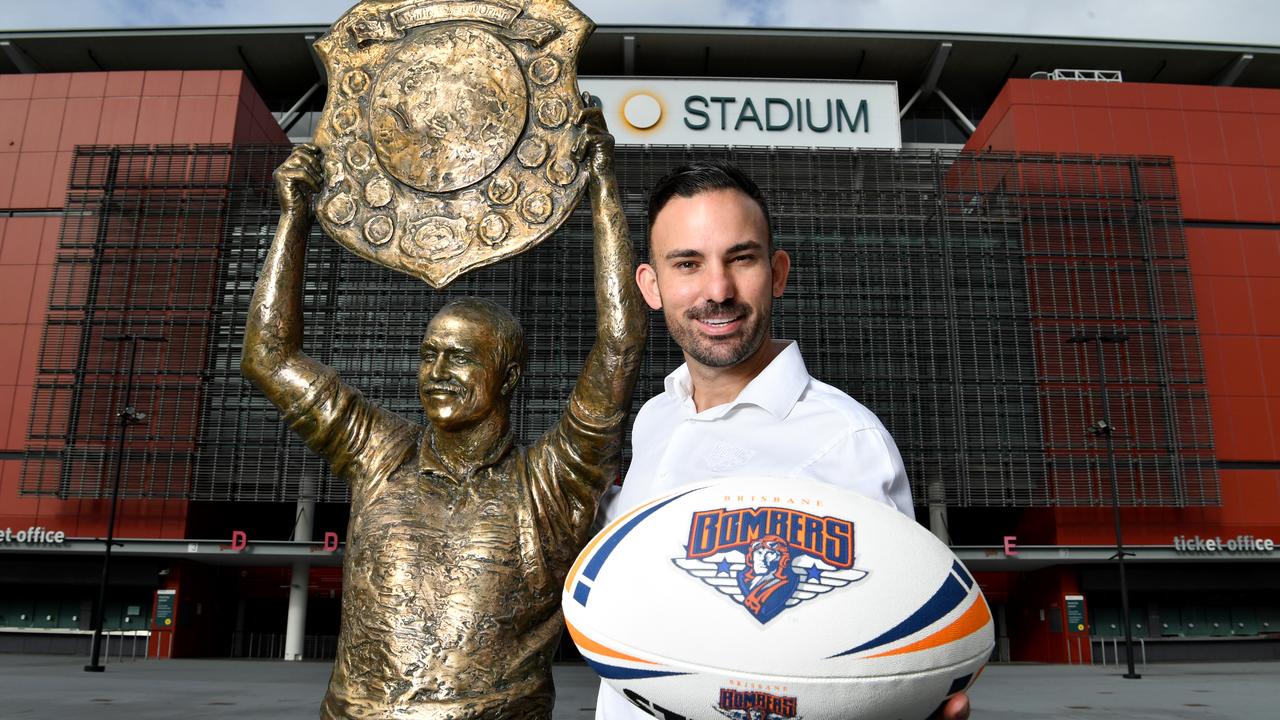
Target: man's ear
647	279
780	264
512	378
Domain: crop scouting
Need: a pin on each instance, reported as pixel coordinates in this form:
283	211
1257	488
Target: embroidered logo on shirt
769	559
722	456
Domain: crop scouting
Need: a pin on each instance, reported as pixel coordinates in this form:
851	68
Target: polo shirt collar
776	389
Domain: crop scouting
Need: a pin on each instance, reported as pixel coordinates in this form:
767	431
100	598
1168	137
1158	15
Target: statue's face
461	378
712	276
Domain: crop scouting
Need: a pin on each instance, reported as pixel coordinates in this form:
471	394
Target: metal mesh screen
940	290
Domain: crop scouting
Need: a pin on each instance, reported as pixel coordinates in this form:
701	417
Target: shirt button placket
673	450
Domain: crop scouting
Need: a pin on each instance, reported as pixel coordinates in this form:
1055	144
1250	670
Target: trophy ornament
447	131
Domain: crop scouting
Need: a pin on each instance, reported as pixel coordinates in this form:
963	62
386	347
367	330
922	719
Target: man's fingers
956	707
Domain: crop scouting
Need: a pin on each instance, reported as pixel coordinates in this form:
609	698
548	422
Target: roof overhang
279	62
280	553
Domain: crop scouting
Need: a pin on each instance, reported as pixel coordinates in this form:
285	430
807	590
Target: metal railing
1100	657
271	646
1073	74
130	643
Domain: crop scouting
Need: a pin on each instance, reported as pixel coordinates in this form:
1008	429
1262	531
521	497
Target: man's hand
955	708
595	145
298	178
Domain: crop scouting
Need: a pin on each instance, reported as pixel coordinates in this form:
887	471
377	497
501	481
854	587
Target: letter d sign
239	540
331	542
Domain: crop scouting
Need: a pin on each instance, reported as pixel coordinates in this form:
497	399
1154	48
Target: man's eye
744	259
686	265
460	360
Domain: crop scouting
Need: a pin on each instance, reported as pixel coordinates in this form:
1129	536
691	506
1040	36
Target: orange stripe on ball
587	643
973	620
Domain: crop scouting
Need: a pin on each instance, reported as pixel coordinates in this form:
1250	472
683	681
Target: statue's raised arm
357	438
609	375
273	359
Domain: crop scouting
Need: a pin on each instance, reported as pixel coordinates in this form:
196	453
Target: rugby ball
752	597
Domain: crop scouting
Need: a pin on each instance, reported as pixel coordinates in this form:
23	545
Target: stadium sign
668	111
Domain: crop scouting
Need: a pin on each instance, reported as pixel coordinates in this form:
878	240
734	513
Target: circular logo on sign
642	111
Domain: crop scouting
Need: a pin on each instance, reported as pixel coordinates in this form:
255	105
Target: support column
296	626
938	512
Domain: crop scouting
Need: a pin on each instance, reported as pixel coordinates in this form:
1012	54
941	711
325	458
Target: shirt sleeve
358	439
866	461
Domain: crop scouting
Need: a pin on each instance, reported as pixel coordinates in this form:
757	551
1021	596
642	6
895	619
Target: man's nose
719	287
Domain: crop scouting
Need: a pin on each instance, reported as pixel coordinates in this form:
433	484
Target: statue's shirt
451	585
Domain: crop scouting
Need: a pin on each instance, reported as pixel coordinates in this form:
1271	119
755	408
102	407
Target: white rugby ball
752	597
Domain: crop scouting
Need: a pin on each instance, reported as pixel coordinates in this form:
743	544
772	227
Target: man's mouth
719	325
719	320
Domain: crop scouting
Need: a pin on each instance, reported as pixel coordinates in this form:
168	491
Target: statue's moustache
451	388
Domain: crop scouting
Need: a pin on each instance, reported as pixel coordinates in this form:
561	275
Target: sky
1245	22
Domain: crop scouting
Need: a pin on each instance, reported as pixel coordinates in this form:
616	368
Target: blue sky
1250	22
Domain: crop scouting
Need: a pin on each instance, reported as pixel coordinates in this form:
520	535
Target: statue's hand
594	147
298	178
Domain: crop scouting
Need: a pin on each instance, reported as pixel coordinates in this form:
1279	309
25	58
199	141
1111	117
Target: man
458	541
766	581
743	402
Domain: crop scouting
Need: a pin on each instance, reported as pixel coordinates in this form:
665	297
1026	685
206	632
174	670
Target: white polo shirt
784	423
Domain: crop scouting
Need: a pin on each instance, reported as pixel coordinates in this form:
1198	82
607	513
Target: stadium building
993	236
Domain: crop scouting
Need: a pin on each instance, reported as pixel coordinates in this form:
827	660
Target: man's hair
702	176
507	330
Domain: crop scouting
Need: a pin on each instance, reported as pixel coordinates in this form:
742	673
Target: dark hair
702	176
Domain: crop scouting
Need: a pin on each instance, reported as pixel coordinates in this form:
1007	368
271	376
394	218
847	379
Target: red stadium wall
42	118
1226	146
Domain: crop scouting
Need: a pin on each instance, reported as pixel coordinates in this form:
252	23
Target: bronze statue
458	540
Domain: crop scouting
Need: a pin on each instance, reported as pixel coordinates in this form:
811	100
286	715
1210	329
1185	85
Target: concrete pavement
56	688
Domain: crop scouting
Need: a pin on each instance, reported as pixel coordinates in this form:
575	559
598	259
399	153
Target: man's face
712	276
461	379
764	559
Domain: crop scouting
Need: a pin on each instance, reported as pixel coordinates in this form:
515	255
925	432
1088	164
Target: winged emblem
800	580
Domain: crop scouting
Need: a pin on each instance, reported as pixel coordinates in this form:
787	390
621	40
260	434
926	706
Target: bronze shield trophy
448	130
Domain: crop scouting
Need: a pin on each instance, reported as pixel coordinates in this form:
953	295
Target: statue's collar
429	457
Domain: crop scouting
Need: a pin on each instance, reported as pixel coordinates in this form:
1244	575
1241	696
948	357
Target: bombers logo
751	705
770	559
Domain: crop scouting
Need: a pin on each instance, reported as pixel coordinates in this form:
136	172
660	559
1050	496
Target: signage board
1075	612
1237	545
166	602
774	113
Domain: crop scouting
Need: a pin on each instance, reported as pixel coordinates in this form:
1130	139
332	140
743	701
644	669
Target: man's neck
714	386
465	450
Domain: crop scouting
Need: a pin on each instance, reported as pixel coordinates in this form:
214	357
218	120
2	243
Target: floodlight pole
1104	428
126	417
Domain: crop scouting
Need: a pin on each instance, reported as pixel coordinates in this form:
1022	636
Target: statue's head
472	356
